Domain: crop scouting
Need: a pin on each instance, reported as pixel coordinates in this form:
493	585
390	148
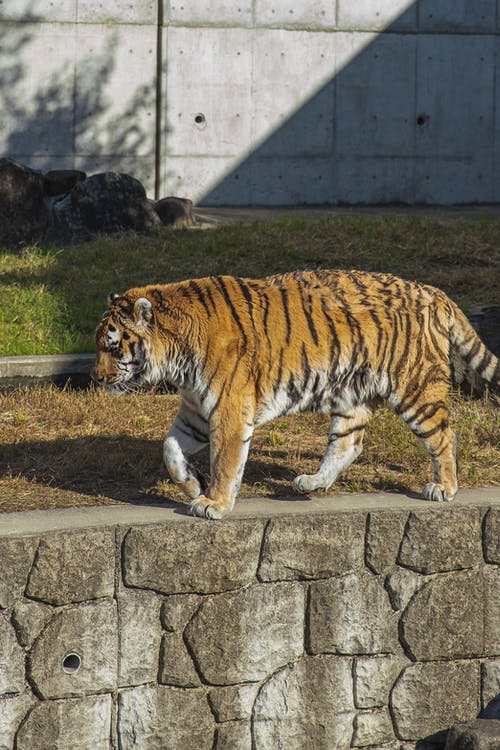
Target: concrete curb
45	368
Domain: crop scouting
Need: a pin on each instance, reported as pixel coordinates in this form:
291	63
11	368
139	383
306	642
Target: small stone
242	636
176	666
13	709
234	702
481	734
372	728
177	610
306	704
192	557
29	618
140	636
143	722
175	212
430	696
437	542
374	677
83	723
383	539
11	660
91	632
73	567
341	620
492	536
401	584
335	545
234	735
16	559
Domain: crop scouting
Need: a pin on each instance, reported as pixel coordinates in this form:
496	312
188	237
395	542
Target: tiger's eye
126	336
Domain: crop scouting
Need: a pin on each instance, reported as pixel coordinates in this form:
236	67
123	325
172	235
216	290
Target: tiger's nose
98	379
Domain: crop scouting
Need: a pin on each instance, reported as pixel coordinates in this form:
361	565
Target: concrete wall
260	101
307	630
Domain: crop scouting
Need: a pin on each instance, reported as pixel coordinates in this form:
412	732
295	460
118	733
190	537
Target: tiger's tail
471	360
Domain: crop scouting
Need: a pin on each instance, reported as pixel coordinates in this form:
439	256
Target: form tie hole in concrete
200	120
71	663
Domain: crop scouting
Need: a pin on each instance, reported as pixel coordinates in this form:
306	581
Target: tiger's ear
112	298
143	311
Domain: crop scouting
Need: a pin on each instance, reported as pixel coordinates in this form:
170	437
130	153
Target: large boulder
61	181
24	212
175	212
105	203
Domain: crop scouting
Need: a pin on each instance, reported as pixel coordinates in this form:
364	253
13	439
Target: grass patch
61	448
51	298
64	448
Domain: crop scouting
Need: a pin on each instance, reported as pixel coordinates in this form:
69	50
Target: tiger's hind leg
187	436
345	443
428	419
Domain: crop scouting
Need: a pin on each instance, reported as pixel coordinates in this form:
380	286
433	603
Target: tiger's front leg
187	436
230	434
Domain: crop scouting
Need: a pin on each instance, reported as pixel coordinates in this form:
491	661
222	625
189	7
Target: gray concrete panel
313	14
292	71
375	101
208	91
455	84
377	14
38	10
197	176
448	181
457	15
373	180
115	90
216	12
281	181
116	11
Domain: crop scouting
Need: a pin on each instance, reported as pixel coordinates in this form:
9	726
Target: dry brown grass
62	448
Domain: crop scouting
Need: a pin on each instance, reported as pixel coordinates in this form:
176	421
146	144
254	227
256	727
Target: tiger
241	352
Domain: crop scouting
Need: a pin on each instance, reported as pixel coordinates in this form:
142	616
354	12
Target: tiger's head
123	344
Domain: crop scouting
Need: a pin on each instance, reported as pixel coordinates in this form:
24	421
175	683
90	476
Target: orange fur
243	351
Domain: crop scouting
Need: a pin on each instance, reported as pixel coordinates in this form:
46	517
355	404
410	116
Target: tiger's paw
437	493
305	483
202	507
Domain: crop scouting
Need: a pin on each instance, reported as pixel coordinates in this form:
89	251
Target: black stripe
309	318
284	302
199	293
336	435
246	293
234	313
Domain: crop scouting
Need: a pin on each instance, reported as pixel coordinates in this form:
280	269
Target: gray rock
91	632
435	543
234	702
451	617
140	636
351	615
177	610
383	539
11	660
29	618
105	203
482	734
175	212
24	213
492	536
401	584
430	696
490	683
372	728
335	545
16	559
60	181
83	723
242	636
176	665
192	557
143	722
307	704
13	708
73	567
234	735
374	677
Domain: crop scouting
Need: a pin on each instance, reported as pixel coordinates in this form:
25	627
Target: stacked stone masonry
335	631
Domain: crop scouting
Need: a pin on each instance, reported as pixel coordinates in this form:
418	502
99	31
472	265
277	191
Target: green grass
52	298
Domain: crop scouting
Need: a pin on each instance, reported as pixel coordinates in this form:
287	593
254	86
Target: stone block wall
331	631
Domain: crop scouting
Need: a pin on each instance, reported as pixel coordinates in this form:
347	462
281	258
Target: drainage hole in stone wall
200	120
71	663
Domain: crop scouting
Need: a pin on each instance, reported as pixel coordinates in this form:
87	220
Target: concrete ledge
59	519
34	369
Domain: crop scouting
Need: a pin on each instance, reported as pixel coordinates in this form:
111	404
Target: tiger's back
243	351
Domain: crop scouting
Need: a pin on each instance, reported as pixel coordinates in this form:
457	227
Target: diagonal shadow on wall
409	119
